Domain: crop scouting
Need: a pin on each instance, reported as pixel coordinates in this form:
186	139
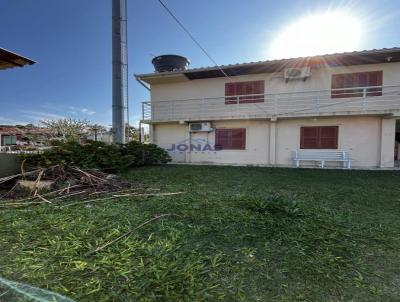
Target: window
325	137
230	139
9	140
244	90
359	79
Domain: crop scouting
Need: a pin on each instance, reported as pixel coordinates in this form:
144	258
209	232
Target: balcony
344	101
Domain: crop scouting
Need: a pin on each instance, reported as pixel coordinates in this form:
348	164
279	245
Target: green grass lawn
242	234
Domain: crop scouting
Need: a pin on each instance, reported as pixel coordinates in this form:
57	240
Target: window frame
9	140
231	146
246	92
319	144
356	79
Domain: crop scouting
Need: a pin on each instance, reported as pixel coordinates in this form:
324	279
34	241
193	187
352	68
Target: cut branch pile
62	182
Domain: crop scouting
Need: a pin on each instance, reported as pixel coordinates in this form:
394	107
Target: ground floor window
230	139
9	140
323	137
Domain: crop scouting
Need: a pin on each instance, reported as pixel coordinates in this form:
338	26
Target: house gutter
141	82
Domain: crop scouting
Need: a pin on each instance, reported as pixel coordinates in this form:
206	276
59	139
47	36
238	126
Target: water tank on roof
170	63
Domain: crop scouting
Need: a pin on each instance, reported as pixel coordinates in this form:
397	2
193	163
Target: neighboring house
10	59
15	137
264	111
101	136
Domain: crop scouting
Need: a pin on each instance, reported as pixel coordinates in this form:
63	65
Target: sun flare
317	34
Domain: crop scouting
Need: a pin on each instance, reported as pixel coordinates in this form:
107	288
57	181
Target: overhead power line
192	37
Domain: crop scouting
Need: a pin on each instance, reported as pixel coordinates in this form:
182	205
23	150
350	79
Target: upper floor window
323	137
244	92
358	79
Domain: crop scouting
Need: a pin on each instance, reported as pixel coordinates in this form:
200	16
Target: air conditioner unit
297	73
200	127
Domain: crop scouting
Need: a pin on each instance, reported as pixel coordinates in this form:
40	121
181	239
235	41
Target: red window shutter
328	137
358	79
245	91
230	139
230	89
375	79
309	137
325	137
337	82
238	139
363	79
259	89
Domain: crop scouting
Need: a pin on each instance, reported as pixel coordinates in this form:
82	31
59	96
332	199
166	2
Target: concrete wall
358	135
274	82
257	138
369	140
9	164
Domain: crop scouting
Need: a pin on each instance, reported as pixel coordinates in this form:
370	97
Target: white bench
322	156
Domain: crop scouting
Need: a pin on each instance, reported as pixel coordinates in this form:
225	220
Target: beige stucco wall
360	136
369	140
257	142
274	82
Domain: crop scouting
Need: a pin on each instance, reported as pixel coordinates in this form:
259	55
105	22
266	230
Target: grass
243	234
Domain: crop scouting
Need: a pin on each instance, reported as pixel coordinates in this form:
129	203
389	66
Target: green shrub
99	155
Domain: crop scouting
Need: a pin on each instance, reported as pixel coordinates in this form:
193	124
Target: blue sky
71	41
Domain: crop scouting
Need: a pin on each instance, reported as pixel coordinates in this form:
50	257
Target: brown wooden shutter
309	138
243	90
230	139
325	137
230	89
375	79
358	79
328	137
238	138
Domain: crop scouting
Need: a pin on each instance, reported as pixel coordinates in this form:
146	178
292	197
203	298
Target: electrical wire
192	37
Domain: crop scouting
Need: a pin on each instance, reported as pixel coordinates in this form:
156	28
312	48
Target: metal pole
119	71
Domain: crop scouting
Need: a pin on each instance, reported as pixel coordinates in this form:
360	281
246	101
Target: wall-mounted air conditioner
301	73
200	127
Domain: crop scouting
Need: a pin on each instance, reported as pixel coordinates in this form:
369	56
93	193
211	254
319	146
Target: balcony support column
272	141
151	134
388	131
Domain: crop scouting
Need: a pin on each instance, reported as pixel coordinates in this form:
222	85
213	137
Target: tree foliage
99	155
67	129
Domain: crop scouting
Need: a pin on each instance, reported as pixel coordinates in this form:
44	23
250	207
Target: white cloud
10	121
87	111
37	116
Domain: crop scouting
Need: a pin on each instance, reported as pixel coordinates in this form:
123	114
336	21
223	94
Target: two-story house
261	112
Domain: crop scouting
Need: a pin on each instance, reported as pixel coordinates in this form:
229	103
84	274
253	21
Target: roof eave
337	59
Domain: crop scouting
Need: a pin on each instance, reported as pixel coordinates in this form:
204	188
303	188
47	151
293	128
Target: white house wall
369	139
360	136
274	82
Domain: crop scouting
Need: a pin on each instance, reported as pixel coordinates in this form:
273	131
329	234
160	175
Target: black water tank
170	63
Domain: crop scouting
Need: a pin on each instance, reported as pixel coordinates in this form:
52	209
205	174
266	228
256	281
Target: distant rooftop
10	59
373	56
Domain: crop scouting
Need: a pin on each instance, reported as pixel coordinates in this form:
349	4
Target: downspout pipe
142	83
141	139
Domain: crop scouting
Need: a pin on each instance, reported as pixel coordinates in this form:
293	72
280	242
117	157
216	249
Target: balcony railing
343	101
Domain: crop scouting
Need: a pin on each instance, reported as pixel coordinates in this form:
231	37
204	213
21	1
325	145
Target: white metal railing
353	100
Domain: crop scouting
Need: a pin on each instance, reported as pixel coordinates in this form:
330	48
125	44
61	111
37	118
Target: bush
99	155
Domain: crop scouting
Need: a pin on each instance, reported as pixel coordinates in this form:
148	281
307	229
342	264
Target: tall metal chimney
120	69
